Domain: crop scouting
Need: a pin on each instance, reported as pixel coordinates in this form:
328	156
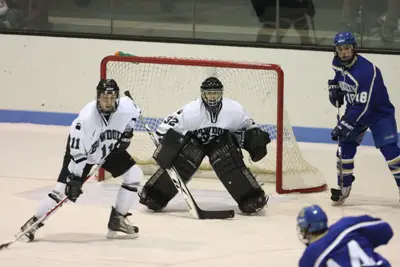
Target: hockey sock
50	200
125	200
391	153
348	153
127	192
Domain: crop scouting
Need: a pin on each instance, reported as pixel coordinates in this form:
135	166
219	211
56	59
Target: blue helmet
343	38
311	219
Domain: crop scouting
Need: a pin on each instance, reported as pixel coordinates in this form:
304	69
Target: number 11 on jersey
105	150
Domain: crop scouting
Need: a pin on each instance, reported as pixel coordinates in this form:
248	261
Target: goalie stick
59	204
194	209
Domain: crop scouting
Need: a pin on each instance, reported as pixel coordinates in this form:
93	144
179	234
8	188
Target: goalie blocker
185	153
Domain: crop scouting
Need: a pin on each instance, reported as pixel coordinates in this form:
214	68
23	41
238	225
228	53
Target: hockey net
161	86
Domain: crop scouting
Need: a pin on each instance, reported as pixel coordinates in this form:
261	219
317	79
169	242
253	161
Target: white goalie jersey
92	136
195	117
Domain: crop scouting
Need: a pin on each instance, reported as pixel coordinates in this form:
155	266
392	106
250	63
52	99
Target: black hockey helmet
107	96
211	93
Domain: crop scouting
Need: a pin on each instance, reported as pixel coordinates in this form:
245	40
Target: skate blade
121	235
337	203
24	239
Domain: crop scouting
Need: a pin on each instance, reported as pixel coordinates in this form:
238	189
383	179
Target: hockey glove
342	130
255	142
74	187
125	141
335	93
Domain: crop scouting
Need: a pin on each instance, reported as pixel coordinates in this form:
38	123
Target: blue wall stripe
303	134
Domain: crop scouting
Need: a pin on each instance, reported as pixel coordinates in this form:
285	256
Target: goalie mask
211	94
107	96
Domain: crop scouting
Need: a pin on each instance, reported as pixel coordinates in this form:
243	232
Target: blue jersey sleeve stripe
369	95
340	237
336	68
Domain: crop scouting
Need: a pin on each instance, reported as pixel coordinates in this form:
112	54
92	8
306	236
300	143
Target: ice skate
119	227
30	236
339	196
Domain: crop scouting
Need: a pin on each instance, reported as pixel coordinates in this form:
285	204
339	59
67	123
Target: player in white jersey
93	135
217	127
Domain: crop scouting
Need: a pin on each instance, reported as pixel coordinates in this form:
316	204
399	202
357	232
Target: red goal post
161	85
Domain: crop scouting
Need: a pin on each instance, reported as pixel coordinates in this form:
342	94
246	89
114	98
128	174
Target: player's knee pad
131	178
227	161
159	189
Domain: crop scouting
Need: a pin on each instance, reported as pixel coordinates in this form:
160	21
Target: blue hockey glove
335	93
342	130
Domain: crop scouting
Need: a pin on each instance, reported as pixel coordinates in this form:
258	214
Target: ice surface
75	236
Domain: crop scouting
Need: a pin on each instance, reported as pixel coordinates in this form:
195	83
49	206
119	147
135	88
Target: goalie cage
161	85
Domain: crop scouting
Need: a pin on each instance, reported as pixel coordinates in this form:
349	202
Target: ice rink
75	236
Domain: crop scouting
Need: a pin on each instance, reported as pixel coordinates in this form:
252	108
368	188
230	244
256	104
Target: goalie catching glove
255	142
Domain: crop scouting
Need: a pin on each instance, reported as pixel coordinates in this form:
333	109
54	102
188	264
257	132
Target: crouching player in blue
349	242
367	106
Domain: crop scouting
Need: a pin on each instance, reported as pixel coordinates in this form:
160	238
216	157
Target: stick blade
216	214
4	246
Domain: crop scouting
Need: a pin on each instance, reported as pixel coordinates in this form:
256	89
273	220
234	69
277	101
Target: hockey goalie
212	126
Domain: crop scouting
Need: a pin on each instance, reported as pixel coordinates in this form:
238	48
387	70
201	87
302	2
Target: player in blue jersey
360	82
349	242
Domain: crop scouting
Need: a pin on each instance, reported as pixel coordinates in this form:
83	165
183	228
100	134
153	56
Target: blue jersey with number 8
367	97
349	242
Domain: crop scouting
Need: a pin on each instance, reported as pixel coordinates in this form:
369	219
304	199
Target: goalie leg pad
154	194
159	189
170	148
227	162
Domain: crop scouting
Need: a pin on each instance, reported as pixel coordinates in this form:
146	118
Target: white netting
160	89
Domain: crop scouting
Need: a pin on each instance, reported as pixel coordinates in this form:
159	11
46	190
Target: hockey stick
59	204
194	209
338	192
340	162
